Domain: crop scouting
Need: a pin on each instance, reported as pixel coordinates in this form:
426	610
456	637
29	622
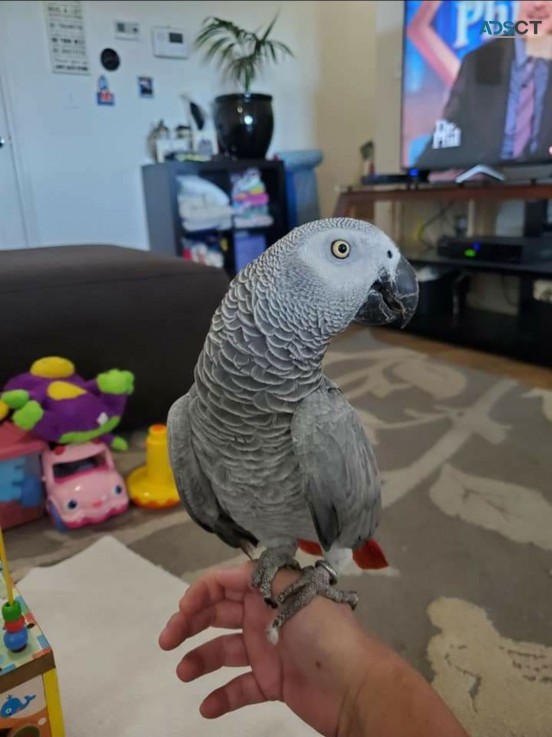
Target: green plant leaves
239	53
270	26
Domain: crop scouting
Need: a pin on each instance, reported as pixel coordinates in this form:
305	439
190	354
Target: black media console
526	335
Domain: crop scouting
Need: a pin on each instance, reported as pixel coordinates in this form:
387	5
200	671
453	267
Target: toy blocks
21	491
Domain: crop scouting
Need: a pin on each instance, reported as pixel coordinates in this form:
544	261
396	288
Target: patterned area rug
467	528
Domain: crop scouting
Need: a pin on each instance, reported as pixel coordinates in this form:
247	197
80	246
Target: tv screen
477	83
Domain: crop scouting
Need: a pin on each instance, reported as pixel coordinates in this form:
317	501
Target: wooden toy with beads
29	694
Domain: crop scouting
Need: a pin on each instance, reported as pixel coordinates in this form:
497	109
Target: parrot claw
316	580
267	567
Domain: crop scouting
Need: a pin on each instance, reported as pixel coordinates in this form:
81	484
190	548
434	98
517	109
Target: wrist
393	699
372	677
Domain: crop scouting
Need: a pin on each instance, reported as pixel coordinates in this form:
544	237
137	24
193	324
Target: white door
12	224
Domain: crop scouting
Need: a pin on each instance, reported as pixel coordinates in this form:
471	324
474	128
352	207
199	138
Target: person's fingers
224	614
201	605
215	585
227	650
241	691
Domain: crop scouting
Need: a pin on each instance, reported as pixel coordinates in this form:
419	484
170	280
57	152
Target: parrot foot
268	566
316	580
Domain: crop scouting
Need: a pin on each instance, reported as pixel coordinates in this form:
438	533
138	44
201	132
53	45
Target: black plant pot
244	124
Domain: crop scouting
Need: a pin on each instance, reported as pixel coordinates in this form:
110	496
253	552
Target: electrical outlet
127	30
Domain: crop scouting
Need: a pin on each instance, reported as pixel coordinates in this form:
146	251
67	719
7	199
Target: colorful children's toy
59	406
29	696
21	493
153	485
83	486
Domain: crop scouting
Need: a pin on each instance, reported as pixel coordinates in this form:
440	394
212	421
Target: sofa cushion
108	306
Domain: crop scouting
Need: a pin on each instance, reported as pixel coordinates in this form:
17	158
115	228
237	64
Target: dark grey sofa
109	307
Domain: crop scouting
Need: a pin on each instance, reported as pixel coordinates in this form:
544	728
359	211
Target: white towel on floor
102	611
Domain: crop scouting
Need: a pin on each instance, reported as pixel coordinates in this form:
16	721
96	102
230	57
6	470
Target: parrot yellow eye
341	249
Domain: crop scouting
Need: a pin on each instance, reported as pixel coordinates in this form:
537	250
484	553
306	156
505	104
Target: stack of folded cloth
202	205
250	200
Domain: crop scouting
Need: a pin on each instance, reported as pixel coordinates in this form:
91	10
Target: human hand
317	667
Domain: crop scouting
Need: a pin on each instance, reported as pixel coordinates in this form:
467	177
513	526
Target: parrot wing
338	466
193	485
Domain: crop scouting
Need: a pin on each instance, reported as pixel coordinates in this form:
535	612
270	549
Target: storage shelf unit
165	227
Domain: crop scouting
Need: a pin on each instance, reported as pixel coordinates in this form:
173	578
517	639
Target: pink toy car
83	486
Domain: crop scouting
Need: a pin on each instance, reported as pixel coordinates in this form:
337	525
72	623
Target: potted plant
244	121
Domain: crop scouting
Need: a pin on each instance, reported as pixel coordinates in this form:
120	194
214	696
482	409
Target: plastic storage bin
301	185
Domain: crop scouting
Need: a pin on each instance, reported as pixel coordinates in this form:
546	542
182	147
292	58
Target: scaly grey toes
317	580
268	566
293	565
303	580
343	597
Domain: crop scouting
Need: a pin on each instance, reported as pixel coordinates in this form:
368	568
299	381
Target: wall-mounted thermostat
170	43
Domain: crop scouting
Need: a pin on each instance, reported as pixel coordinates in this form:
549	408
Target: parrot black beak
392	297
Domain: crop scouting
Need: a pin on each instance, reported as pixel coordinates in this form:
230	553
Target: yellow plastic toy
153	485
29	694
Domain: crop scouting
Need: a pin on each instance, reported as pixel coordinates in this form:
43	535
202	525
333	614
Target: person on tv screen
500	104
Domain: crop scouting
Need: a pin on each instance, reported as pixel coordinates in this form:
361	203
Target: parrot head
355	270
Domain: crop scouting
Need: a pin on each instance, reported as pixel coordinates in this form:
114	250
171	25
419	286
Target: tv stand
524	335
488	171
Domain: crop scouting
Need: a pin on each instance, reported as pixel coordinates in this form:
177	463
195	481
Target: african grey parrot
264	447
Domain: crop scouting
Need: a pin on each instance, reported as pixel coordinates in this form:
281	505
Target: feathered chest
252	374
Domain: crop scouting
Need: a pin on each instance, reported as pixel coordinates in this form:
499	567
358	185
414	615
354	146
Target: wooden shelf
353	198
537	269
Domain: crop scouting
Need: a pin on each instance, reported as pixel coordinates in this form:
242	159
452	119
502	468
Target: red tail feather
369	556
310	548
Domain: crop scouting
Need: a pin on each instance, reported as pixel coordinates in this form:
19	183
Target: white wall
345	102
81	161
387	111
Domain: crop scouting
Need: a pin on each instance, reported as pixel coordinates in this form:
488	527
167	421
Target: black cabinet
524	335
163	199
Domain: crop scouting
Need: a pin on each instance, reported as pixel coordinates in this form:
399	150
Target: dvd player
504	249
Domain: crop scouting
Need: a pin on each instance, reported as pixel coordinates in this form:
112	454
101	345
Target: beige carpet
467	527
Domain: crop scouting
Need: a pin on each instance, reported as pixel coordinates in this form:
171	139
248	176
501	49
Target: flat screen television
470	97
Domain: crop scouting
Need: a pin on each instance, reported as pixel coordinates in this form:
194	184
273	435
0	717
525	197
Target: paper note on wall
66	36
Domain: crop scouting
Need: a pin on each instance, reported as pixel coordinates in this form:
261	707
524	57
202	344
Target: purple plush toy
58	405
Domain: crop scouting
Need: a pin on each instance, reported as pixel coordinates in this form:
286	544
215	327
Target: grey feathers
194	489
338	468
264	446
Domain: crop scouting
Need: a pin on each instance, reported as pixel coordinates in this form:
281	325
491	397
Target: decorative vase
244	124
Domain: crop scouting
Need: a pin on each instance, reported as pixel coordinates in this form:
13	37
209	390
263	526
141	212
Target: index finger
225	614
215	599
216	585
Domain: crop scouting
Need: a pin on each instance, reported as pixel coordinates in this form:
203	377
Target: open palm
313	668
